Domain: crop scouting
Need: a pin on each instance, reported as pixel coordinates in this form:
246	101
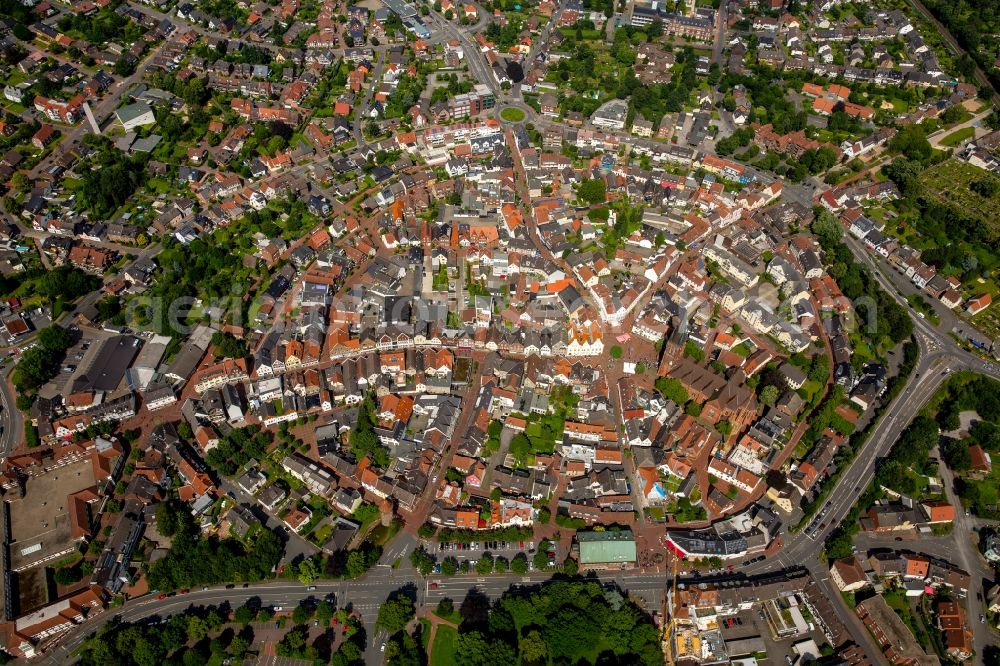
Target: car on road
161	597
186	591
311	588
230	586
434	586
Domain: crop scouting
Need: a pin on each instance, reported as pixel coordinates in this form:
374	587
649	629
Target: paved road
11	422
966	554
364	596
720	33
939	357
975	122
474	57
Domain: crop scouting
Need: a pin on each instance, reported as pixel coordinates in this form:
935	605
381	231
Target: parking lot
749	624
471	552
818	524
502	548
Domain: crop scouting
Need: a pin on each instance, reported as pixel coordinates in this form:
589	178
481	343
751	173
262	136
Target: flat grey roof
108	367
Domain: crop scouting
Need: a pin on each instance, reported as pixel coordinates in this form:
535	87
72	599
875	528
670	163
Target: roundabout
512	114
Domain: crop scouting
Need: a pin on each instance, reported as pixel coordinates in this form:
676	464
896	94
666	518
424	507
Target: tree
519	564
956	453
67	575
905	173
421	561
109	185
827	227
520	447
301	614
244	615
403	650
484	565
238	647
839	544
541	558
308	572
769	394
445	607
227	346
570	567
475	650
616	352
41	363
571	632
21	182
533	648
357	564
672	389
325	611
197	628
592	190
655	29
396	613
912	142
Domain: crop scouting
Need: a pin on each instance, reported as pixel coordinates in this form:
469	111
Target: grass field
512	114
444	646
425	632
591	34
948	183
958	136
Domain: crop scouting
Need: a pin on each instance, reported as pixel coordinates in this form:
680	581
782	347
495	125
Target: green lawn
444	646
512	114
958	136
425	632
381	535
570	31
898	602
454	616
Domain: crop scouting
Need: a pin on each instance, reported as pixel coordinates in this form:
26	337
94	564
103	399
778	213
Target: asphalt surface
939	357
364	596
11	421
474	57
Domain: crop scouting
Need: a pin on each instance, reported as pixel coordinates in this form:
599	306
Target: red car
161	597
434	586
185	591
